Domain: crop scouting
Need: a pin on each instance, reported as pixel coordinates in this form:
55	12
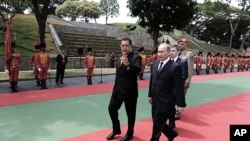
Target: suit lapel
165	67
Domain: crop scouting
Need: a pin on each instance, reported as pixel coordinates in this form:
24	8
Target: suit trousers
60	74
159	124
130	107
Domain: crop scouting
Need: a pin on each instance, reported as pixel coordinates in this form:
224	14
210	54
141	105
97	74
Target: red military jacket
143	59
43	60
15	60
89	61
198	61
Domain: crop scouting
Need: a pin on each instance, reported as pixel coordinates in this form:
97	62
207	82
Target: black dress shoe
172	135
127	138
112	135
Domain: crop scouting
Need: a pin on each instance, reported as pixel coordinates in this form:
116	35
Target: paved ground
25	85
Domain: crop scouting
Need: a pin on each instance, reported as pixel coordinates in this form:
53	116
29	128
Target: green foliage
110	8
162	15
79	9
26	30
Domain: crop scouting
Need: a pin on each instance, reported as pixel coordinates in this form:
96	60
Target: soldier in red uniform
209	62
12	68
34	63
153	58
198	62
143	63
226	63
217	62
90	64
232	61
43	65
240	63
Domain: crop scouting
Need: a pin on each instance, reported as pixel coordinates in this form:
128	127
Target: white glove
39	69
49	70
33	67
7	71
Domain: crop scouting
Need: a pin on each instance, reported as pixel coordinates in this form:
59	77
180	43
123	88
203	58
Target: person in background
13	67
112	60
198	62
125	90
108	60
184	69
189	57
226	63
153	58
61	60
43	66
165	90
143	62
90	64
34	63
209	61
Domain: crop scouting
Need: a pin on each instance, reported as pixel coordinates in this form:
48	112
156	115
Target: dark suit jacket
184	67
59	59
126	78
162	85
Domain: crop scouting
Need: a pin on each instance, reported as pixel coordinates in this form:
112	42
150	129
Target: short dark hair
127	39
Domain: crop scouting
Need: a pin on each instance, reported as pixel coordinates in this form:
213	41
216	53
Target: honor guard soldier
226	63
12	68
43	65
153	58
34	63
217	63
209	62
232	62
143	62
90	64
198	62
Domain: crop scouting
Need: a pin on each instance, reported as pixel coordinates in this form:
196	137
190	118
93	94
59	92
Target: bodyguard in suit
61	60
125	89
184	67
166	77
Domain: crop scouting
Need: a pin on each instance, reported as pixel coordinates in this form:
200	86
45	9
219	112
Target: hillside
26	30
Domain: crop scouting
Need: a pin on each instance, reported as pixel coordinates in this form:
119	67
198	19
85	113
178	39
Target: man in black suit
166	77
61	60
184	67
125	89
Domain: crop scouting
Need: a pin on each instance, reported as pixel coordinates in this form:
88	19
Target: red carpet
206	122
73	91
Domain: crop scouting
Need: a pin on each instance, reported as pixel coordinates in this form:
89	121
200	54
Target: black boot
12	87
37	81
15	86
42	84
45	84
90	80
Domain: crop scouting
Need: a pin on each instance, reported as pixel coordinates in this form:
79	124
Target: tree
110	8
224	10
157	15
41	12
12	6
79	9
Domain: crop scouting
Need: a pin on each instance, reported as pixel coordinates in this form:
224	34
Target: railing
56	38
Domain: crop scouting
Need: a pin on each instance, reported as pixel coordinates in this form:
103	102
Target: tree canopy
157	15
110	8
79	9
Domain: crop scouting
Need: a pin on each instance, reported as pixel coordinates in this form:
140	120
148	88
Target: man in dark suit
166	77
125	89
61	60
184	67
